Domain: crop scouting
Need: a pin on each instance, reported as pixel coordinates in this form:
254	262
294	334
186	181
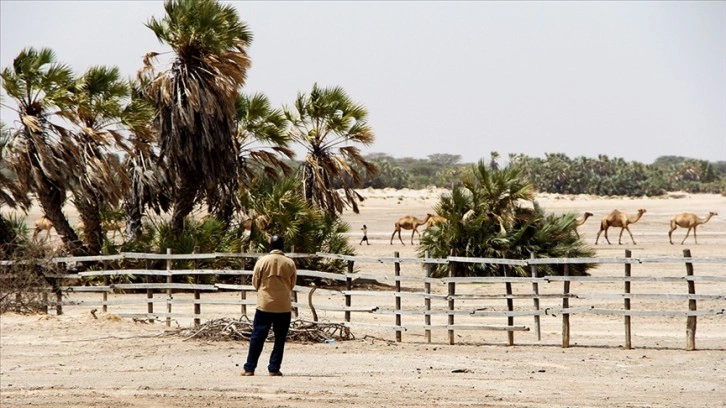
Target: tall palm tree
10	195
148	182
109	122
42	147
262	135
328	124
494	164
195	102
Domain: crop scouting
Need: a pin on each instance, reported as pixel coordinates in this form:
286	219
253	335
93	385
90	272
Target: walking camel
113	226
42	224
409	222
581	221
261	222
690	221
619	219
435	219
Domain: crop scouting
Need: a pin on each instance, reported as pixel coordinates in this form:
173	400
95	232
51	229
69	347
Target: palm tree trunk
51	200
308	183
92	228
134	214
224	214
183	206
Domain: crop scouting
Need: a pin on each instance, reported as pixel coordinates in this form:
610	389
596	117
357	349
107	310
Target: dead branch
301	331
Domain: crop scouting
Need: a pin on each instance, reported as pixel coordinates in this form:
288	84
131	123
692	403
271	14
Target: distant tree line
558	173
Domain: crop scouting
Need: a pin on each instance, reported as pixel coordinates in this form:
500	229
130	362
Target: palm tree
494	164
42	147
195	103
306	228
329	124
263	139
108	121
147	182
486	219
10	195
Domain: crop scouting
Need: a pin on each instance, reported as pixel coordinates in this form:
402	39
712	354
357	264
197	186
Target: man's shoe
248	373
275	374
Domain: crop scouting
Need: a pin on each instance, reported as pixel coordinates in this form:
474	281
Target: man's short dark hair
277	242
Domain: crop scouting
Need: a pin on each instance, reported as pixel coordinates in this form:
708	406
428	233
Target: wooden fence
425	297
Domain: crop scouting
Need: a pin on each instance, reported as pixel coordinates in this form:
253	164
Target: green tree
329	125
494	164
108	122
43	152
195	101
305	227
262	135
11	196
487	218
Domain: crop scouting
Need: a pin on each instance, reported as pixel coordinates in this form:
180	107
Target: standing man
273	278
365	235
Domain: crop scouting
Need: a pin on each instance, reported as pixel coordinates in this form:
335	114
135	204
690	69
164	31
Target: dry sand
75	360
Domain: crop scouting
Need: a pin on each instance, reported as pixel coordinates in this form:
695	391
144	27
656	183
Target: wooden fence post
58	293
397	274
197	295
628	344
510	305
691	320
452	293
149	294
348	288
535	298
59	302
427	299
44	297
565	314
104	307
295	311
169	280
243	281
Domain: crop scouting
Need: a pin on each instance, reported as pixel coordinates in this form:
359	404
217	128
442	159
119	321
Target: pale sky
636	80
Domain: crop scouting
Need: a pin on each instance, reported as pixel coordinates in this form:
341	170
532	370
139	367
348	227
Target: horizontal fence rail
425	297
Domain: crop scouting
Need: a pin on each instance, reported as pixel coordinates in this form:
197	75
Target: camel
581	221
113	226
471	213
690	221
42	224
261	222
435	219
409	222
619	219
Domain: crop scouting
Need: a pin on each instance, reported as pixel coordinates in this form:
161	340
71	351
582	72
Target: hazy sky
635	80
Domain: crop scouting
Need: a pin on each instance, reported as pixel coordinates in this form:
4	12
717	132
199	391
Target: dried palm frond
301	331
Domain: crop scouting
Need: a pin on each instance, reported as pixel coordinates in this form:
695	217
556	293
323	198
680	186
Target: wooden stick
628	344
535	293
427	300
690	320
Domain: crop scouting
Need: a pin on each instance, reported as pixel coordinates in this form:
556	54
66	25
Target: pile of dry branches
24	287
301	331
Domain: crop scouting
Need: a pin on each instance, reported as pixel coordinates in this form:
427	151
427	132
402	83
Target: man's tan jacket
274	277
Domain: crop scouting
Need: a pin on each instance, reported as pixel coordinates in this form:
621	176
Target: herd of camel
43	224
616	219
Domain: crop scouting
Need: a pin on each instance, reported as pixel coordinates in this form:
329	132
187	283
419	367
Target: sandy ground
77	361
